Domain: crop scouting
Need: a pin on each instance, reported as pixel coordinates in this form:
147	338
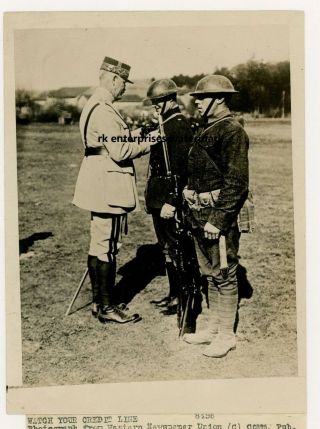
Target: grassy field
54	239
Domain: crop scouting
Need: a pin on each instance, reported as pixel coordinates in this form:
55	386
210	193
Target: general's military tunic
106	182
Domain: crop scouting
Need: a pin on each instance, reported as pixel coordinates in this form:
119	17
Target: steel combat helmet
162	90
213	84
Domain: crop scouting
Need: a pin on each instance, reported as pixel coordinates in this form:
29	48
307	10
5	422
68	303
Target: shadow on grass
245	290
74	310
148	263
26	243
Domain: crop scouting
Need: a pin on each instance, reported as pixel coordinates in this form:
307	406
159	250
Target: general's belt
90	151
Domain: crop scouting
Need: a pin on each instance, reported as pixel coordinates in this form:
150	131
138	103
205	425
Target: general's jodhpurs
106	231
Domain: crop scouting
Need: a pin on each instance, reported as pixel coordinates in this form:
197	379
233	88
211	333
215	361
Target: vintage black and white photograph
155	201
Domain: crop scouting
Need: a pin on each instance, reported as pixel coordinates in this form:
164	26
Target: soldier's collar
212	124
167	115
225	114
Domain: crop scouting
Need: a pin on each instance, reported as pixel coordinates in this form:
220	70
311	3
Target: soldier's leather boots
115	314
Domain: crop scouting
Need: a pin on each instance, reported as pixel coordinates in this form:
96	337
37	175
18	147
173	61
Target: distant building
69	95
131	101
128	102
41	99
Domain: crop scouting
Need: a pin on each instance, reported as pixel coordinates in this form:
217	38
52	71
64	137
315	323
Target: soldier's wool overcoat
219	160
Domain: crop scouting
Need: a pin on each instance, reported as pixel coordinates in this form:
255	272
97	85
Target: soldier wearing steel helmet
161	203
217	189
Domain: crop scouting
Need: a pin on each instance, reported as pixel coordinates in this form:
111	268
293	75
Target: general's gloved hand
167	211
211	232
136	133
147	128
154	137
189	196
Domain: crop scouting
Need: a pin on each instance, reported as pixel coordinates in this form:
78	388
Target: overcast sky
49	59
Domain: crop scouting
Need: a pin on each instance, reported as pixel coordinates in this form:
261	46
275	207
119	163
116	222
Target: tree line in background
264	90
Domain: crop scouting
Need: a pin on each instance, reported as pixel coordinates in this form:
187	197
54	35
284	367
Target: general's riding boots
108	311
92	268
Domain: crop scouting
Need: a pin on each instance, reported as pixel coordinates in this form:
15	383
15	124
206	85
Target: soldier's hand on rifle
211	232
167	211
189	196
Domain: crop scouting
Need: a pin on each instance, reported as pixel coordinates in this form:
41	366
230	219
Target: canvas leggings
223	291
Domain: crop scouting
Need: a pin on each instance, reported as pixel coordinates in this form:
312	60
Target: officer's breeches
106	231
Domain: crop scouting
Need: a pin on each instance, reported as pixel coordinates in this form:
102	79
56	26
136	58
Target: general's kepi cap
115	66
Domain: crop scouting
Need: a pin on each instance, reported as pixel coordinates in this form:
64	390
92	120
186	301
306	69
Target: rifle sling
206	152
86	125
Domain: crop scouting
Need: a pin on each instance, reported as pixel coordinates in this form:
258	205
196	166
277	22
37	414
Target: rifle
190	297
189	277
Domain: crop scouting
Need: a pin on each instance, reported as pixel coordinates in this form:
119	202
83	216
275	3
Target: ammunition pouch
246	220
200	208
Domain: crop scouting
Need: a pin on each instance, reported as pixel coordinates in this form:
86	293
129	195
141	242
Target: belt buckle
205	199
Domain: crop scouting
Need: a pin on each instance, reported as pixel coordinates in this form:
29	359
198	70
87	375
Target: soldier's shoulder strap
171	117
211	161
215	123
